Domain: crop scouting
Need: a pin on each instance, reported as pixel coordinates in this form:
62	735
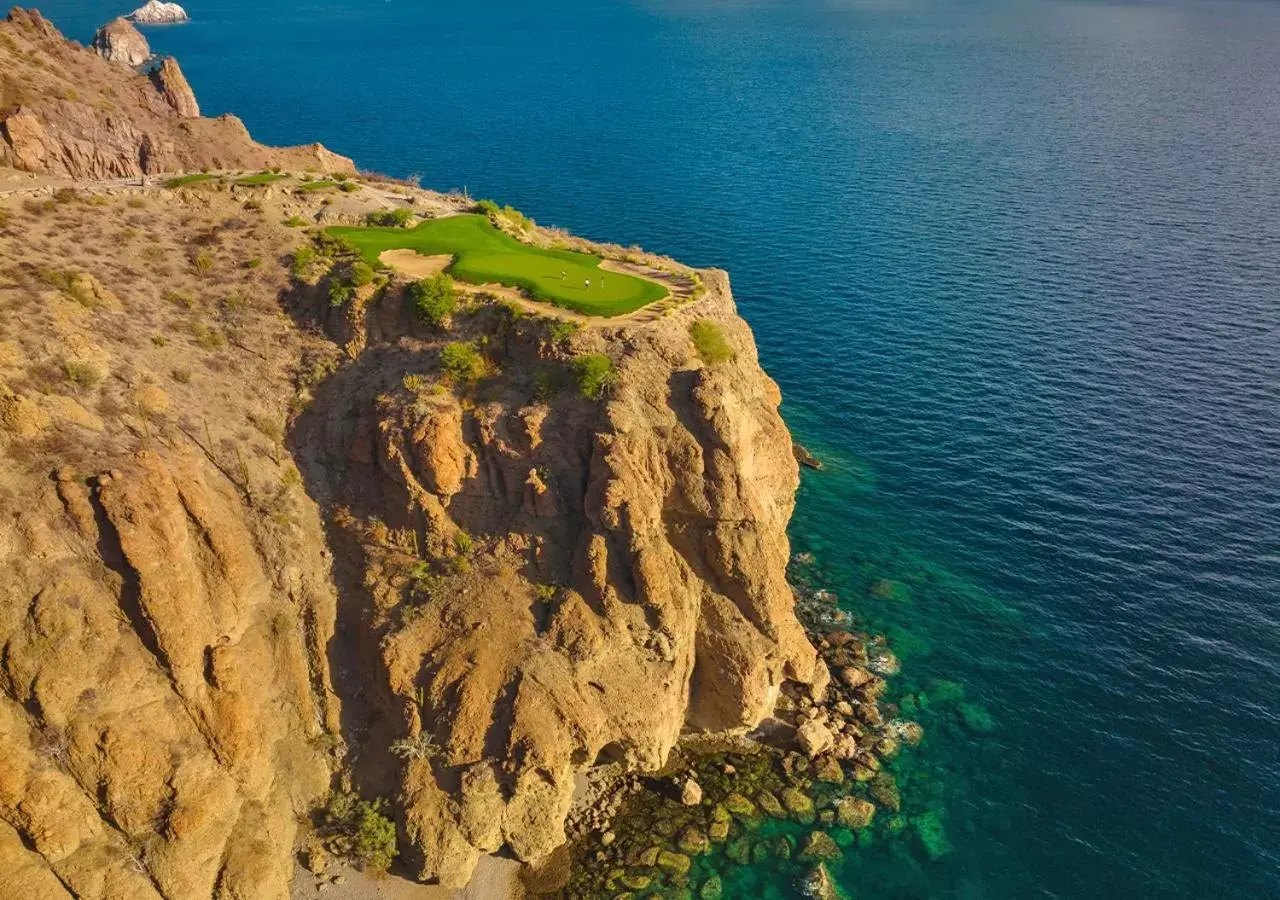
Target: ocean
1016	267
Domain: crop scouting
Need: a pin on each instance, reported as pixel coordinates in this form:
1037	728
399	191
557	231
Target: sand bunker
414	264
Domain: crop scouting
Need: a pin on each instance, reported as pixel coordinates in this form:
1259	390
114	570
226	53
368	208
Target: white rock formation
157	12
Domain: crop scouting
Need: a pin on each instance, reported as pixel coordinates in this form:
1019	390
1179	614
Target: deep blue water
1015	267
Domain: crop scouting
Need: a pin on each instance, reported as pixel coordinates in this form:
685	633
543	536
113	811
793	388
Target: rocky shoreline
799	791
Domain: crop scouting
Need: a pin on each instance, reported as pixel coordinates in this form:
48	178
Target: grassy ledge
484	254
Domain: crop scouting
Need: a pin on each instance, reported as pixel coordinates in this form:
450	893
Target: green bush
596	374
487	207
462	362
295	222
340	294
302	262
348	187
398	217
563	331
434	299
334	246
362	829
710	341
361	274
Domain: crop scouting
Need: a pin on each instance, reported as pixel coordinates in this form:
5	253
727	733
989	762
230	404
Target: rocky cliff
257	545
119	42
65	110
547	581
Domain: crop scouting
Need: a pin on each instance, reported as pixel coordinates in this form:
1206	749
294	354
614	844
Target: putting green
483	254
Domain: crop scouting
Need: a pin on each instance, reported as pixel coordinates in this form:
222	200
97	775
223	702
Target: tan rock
173	87
119	42
814	738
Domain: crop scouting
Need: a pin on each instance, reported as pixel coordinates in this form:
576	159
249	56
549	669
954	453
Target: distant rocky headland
318	560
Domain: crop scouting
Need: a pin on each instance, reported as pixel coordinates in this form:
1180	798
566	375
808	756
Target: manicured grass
481	253
322	185
194	178
260	178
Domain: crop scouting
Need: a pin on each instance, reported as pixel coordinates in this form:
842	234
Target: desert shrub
423	746
182	376
295	222
254	263
463	543
563	331
462	362
361	274
348	187
710	341
203	263
84	375
361	830
596	374
340	294
136	203
548	380
334	246
398	217
180	298
207	338
434	299
487	207
159	340
302	262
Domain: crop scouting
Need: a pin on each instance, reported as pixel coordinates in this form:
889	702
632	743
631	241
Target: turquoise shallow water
1015	268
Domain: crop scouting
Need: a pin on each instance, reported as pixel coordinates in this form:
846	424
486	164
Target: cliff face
65	110
165	601
628	578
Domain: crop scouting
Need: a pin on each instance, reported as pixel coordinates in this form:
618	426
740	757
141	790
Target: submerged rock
817	884
770	804
854	812
799	804
820	847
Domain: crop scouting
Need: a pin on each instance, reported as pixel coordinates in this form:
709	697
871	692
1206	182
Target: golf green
483	254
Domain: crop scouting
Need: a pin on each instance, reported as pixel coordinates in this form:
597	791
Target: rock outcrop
67	111
158	12
119	42
173	87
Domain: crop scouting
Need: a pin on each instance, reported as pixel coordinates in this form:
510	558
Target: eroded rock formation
119	42
173	87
